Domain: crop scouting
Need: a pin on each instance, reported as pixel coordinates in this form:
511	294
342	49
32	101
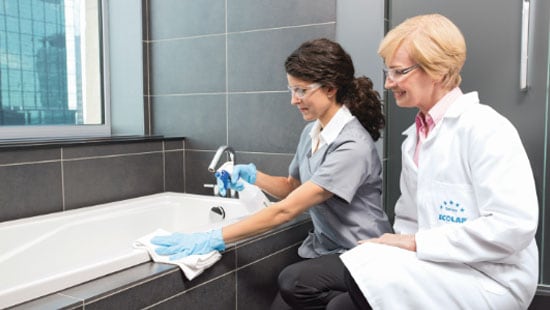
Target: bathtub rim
35	289
82	295
101	206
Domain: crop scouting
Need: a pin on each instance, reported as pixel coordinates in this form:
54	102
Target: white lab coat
472	206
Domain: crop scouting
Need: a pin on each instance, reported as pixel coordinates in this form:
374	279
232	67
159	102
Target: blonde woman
466	219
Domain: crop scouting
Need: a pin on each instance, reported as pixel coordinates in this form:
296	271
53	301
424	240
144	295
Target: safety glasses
398	75
302	92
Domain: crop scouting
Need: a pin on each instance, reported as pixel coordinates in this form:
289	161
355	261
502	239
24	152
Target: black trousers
318	283
353	299
310	283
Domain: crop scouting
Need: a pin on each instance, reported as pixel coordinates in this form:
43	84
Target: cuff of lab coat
432	244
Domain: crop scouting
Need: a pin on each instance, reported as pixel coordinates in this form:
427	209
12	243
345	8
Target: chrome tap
222	149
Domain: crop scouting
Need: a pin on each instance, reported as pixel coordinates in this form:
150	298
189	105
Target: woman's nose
388	83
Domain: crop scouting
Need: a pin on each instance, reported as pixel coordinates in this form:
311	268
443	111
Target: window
51	82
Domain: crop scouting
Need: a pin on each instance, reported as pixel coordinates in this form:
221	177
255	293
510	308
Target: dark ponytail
364	103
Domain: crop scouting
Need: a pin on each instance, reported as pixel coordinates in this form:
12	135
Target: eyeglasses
301	92
397	75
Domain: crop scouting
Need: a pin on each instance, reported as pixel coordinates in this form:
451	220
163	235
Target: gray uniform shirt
350	168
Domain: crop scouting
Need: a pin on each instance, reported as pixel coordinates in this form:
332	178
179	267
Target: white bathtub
45	254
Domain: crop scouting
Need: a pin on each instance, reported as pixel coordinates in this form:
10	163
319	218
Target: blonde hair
434	42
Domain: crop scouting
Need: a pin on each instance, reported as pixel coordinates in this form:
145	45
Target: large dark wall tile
90	151
272	243
171	20
201	118
257	283
274	164
99	174
174	145
267	14
173	171
261	261
256	59
194	65
31	182
174	167
30	189
142	294
196	172
264	122
99	293
218	294
540	302
20	156
100	180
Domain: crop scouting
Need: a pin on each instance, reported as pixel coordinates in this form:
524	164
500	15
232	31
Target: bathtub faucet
217	157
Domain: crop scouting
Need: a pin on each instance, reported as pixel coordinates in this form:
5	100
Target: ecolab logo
450	212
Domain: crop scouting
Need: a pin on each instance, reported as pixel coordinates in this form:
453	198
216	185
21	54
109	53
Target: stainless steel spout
217	157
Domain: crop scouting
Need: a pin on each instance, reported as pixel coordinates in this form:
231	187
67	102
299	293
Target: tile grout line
238	32
62	180
87	158
164	165
222	93
226	79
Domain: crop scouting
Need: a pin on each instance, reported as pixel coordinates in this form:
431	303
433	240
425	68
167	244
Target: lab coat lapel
407	149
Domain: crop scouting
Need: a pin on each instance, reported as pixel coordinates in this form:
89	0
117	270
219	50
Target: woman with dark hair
335	175
327	64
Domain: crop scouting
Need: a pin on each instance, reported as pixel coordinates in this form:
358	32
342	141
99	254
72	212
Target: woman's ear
331	91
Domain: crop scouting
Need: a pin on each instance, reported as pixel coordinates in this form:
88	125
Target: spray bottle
251	195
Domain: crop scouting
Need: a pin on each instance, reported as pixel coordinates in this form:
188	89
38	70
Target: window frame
75	131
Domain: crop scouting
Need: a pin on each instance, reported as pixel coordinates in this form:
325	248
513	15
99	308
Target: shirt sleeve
347	166
301	150
294	168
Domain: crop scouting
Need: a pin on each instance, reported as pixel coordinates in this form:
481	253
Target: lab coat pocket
447	203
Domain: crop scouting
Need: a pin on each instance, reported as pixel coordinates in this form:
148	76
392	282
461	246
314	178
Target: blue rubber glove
225	182
179	245
245	172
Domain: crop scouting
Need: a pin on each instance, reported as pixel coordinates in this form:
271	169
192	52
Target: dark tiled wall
214	72
39	179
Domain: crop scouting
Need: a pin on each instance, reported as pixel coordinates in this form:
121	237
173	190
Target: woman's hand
407	242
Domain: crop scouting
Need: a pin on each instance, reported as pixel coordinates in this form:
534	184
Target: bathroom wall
215	73
40	178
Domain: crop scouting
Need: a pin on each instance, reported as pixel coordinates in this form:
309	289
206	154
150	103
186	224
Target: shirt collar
334	126
438	110
426	122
